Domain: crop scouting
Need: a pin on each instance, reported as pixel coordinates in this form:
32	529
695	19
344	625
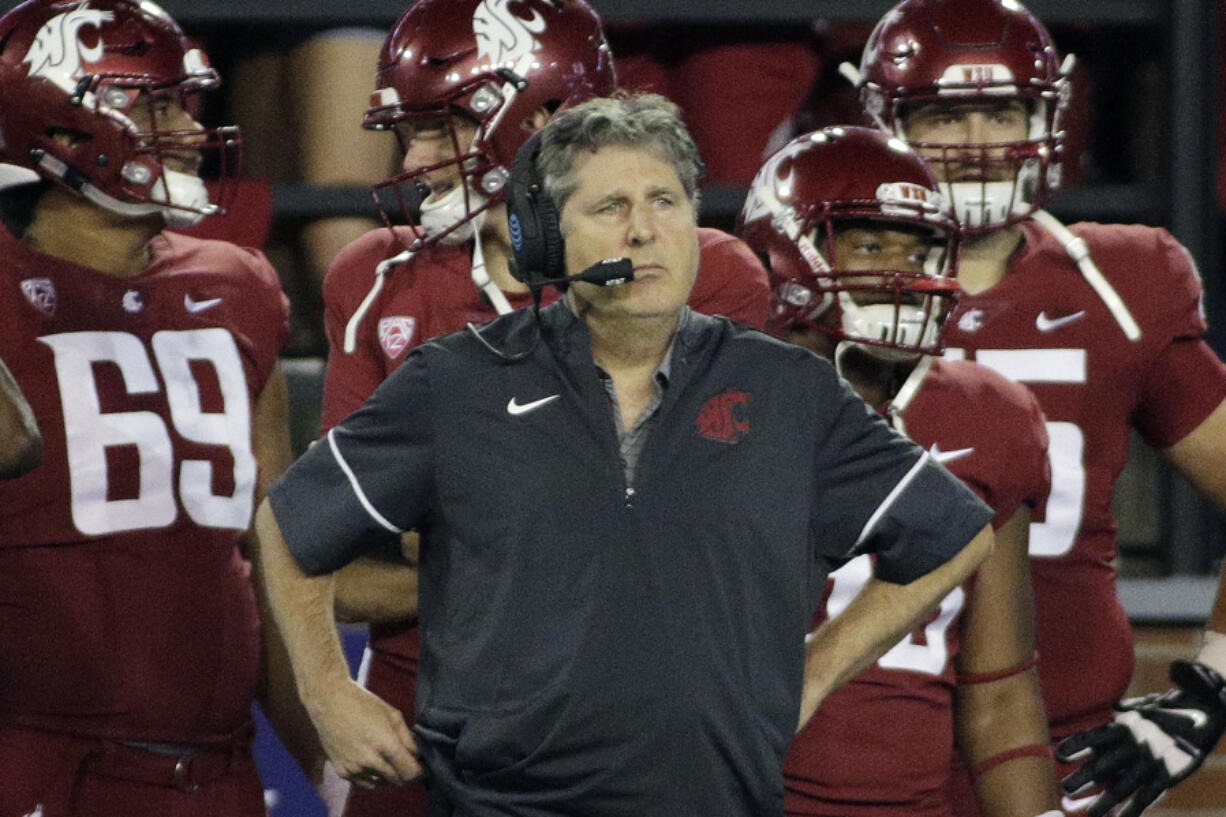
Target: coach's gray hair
646	121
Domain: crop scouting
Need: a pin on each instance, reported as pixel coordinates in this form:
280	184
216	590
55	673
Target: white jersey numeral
89	431
929	656
1066	441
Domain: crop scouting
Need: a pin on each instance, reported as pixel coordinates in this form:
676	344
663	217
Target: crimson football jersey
1044	326
882	745
128	612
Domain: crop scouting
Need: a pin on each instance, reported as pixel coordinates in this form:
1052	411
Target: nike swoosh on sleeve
947	456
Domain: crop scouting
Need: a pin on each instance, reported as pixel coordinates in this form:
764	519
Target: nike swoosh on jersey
946	456
515	409
192	305
1046	324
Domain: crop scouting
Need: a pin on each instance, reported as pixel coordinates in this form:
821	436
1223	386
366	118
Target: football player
462	84
861	257
132	644
1103	323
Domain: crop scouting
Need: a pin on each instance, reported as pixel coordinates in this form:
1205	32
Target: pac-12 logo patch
395	334
40	292
718	419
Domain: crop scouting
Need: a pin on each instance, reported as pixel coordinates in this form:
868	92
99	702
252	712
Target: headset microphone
610	272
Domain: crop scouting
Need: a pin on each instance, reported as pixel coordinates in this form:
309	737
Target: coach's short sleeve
880	493
370	478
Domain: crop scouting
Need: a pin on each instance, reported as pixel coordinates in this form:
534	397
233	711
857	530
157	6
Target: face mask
913	329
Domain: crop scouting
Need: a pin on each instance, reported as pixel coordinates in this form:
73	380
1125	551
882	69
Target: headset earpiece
536	236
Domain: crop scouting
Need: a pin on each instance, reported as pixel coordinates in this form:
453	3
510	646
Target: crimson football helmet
75	74
836	178
950	51
494	62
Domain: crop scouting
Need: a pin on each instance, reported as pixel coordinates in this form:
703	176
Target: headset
532	217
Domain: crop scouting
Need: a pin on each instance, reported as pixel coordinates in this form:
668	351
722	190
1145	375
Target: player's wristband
1213	651
1033	750
996	675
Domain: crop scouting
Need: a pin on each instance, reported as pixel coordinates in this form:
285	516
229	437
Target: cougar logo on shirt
503	37
395	334
40	292
717	421
57	52
971	320
132	301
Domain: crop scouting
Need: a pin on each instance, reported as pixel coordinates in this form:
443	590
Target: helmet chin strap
183	189
815	260
451	211
906	393
840	351
902	398
481	275
438	214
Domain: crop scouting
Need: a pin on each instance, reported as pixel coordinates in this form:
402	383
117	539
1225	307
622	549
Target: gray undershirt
632	441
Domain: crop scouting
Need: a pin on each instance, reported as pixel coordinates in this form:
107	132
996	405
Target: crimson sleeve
731	280
1023	473
1182	386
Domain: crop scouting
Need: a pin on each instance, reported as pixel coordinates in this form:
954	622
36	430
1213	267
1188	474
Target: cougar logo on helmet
502	37
57	52
767	197
764	200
